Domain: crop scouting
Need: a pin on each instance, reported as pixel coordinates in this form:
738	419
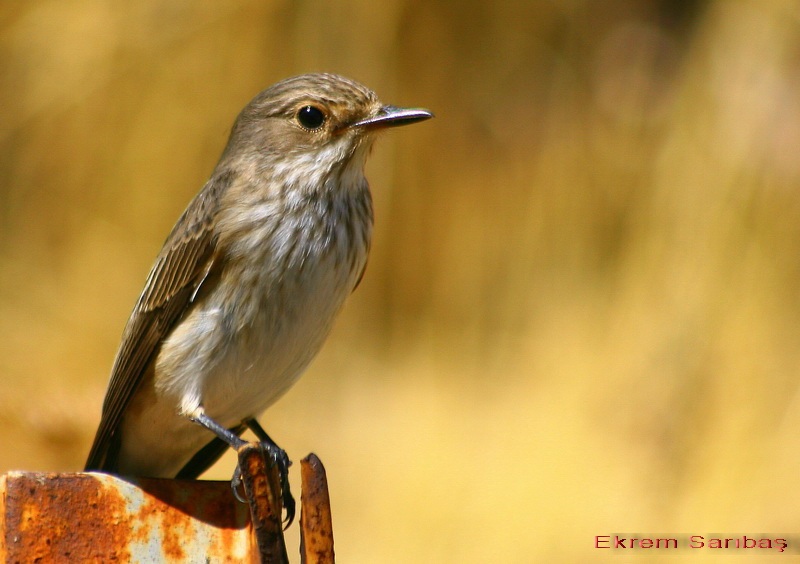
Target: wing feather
182	265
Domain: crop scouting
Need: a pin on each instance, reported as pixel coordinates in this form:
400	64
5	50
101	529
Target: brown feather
184	263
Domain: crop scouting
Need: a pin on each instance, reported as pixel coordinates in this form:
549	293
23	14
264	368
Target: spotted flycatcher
249	281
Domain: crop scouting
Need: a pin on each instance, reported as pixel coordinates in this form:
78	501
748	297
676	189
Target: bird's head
310	125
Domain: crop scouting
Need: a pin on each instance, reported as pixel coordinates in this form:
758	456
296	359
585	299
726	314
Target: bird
248	283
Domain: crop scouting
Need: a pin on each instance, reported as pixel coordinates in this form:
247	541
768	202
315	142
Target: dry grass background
581	314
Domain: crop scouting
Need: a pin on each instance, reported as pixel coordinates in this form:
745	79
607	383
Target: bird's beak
392	116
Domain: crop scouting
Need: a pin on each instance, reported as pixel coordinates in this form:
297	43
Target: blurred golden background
581	315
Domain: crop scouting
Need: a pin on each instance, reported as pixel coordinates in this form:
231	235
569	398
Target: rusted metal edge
316	526
90	517
261	481
94	517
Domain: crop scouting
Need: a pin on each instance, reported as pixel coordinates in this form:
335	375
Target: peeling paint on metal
102	518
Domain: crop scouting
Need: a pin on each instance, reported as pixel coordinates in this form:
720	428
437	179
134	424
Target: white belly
236	357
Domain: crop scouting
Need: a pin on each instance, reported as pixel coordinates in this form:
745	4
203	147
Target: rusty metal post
316	526
101	518
261	481
93	517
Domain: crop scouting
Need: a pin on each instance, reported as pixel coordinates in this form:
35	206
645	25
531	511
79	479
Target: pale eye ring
310	117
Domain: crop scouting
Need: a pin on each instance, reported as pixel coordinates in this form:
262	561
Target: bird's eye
311	117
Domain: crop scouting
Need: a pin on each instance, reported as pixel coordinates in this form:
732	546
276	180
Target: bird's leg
276	454
281	459
232	439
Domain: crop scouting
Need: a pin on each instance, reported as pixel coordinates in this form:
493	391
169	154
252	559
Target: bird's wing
181	267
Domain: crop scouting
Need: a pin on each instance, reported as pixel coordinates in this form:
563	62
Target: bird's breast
285	276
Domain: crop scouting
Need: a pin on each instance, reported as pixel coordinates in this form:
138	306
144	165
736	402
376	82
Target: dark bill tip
391	116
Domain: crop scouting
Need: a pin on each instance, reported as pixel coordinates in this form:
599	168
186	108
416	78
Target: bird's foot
278	458
281	460
276	455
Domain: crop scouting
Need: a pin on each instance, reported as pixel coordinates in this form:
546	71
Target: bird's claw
280	459
236	483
